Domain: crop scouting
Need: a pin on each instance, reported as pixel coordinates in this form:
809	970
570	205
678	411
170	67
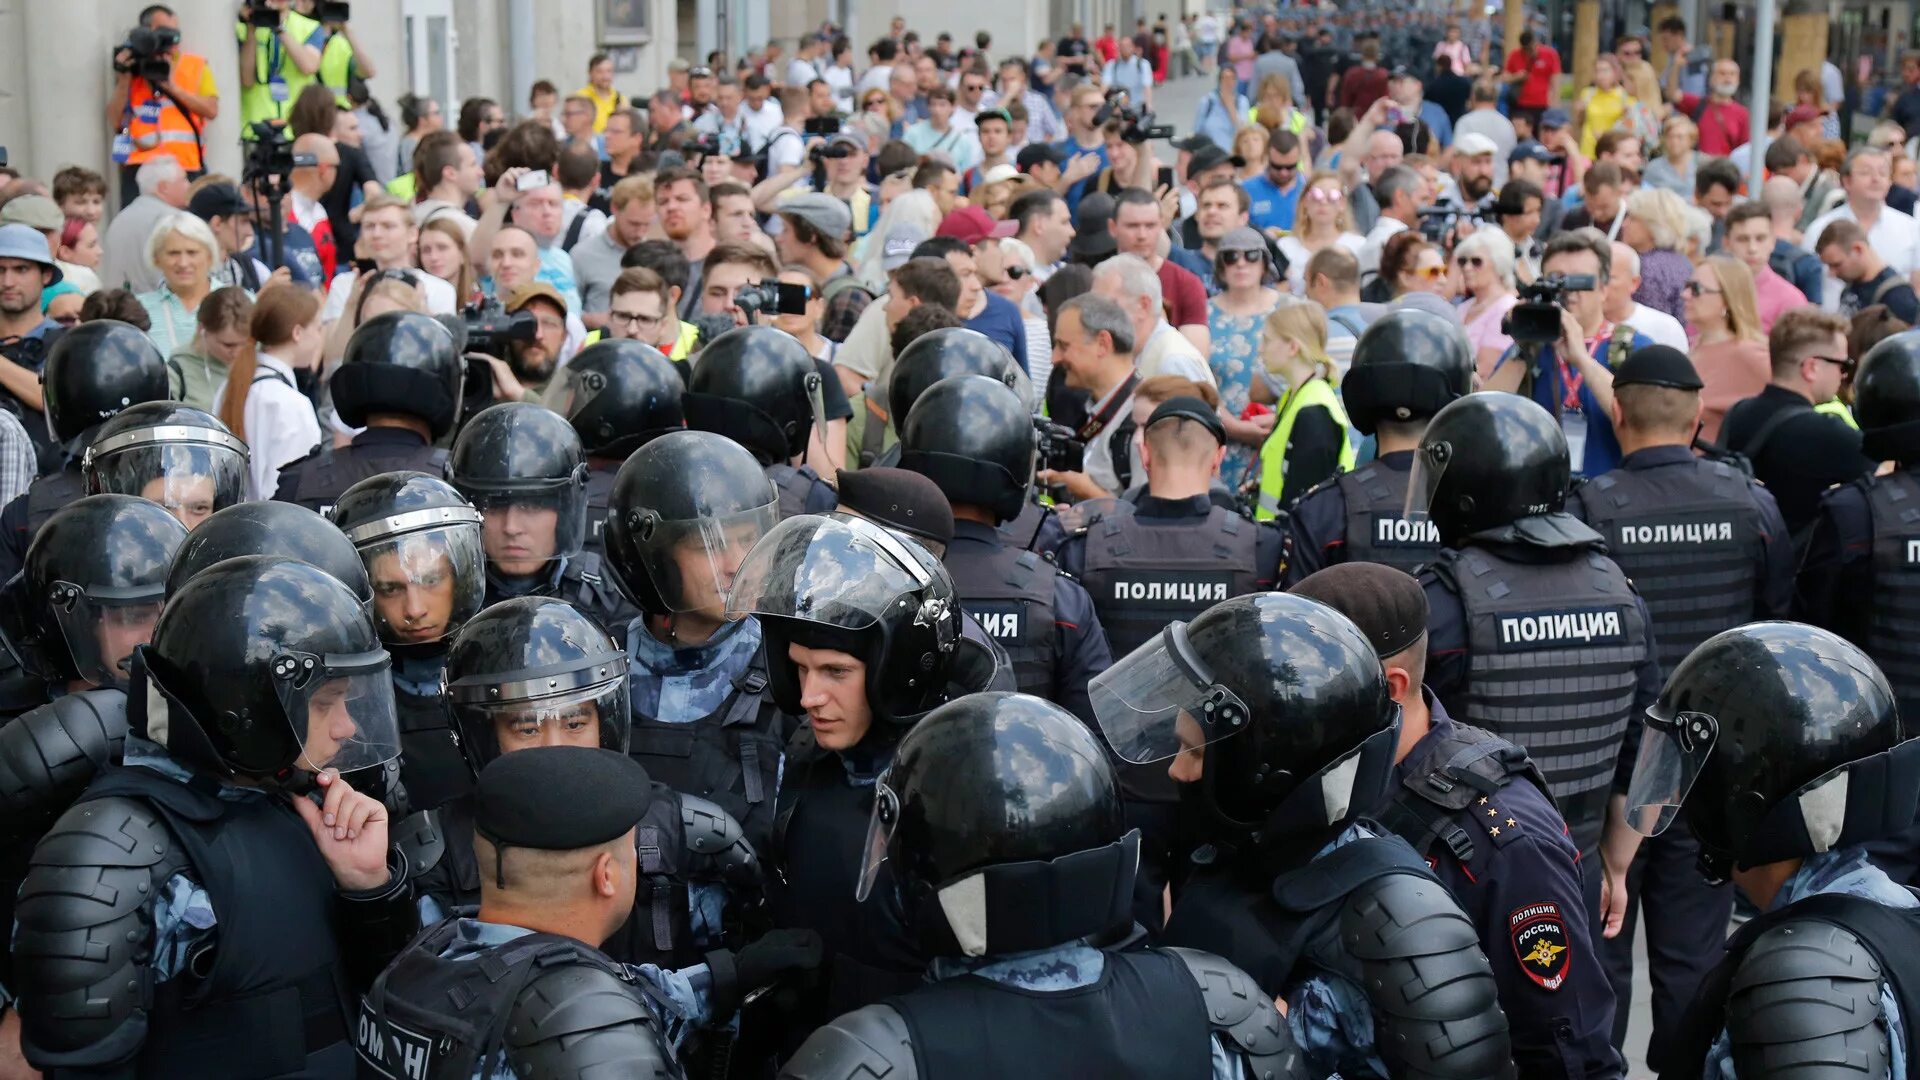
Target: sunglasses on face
1846	364
1283	167
1015	273
1235	258
1473	261
1324	194
1431	273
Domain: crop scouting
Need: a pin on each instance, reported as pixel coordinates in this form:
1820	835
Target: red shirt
1106	47
1723	124
1185	297
1540	72
1361	86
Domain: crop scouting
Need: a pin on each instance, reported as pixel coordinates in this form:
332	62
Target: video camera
331	11
1059	450
771	298
146	51
1437	223
490	330
1535	320
272	154
1139	122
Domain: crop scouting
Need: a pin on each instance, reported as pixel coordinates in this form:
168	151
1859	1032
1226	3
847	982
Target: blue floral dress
1236	353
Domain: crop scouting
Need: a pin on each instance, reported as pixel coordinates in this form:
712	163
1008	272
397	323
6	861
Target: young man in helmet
252	848
997	829
1784	747
176	455
618	395
521	464
1284	760
1705	546
1477	810
758	387
401	380
1407	365
863	638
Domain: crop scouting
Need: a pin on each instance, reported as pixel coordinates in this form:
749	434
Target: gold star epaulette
1501	827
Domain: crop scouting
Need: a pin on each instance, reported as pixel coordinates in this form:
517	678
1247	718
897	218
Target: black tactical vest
1689	536
274	991
599	491
731	756
1893	638
317	480
49	495
1144	1018
1009	591
801	490
429	1018
1037	528
1377	528
1444	777
1553	653
432	768
1143	576
580	583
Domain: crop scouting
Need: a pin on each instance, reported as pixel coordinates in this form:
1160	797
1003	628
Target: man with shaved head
1785	202
310	183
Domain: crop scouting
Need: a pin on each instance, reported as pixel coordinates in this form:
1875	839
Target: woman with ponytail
262	401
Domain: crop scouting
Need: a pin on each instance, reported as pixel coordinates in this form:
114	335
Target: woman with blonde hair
261	401
1322	219
1657	229
1601	106
185	252
1729	350
441	251
1484	262
1673	170
1274	110
1647	111
1250	145
914	208
1309	439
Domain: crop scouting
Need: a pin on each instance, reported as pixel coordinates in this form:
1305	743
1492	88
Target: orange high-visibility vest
174	132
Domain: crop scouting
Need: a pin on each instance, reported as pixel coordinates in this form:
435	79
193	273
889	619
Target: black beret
560	798
1190	408
1658	365
1388	605
899	499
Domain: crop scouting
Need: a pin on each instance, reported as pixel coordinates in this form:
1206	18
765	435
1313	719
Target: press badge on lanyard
276	82
1573	419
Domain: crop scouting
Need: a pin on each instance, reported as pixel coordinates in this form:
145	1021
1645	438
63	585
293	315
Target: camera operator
1572	376
279	57
837	166
341	58
161	98
523	374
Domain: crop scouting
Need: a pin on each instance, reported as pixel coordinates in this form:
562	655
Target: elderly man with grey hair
1623	310
1128	281
1401	192
1093	347
163	190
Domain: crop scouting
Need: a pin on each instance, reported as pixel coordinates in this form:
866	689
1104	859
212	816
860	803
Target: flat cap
1388	605
900	499
822	211
1658	365
560	798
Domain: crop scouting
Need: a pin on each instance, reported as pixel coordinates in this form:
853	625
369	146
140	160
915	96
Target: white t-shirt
762	122
438	294
281	426
1298	256
1168	352
1663	328
841	79
1383	231
875	78
1896	236
801	72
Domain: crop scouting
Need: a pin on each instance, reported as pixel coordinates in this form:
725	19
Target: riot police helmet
853	586
756	385
1781	740
535	671
1408	365
90	589
267	668
975	440
400	362
420	542
944	353
270	528
618	395
1488	460
178	456
521	465
95	370
684	511
1886	398
1283	700
1001	823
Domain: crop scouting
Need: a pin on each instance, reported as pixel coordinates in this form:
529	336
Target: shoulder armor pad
421	836
872	1041
717	841
1244	1015
582	1020
1435	1002
82	938
50	754
1808	991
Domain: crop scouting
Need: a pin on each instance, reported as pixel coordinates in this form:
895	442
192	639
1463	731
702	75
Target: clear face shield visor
1673	753
1161	699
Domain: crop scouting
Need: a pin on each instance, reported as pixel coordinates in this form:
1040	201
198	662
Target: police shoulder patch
1541	944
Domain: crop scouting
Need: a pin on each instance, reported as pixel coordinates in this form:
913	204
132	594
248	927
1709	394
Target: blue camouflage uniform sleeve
1083	647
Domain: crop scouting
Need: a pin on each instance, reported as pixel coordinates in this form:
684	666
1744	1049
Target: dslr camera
146	51
1139	122
1535	320
1059	450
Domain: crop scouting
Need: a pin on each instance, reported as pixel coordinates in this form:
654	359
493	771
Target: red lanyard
1573	380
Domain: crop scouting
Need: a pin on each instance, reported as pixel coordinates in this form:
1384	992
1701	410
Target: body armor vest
49	495
1893	638
579	583
599	491
1144	1018
432	769
1688	535
317	480
1143	575
1010	592
731	756
1554	649
1447	776
1377	528
801	490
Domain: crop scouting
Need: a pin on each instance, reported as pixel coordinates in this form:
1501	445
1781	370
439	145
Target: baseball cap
1211	157
1474	144
822	211
27	244
999	174
1555	118
971	225
1529	150
1189	408
898	246
1034	153
35	212
527	294
1194	143
847	138
217	200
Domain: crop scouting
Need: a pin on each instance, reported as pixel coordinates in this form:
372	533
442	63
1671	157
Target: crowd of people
851	551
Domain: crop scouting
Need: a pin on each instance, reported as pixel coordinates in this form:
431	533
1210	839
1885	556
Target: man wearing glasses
1275	194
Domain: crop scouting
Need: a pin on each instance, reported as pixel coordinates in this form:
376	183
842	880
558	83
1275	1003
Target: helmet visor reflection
426	585
191	480
693	564
1423	481
102	632
1159	701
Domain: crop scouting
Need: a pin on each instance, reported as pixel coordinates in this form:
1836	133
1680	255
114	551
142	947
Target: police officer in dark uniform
618	395
1477	810
520	983
401	379
266	528
209	907
684	511
535	671
757	386
974	438
93	371
1705	546
1525	603
1861	575
521	465
1000	821
863	638
426	564
1407	365
174	454
1274	713
1784	745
